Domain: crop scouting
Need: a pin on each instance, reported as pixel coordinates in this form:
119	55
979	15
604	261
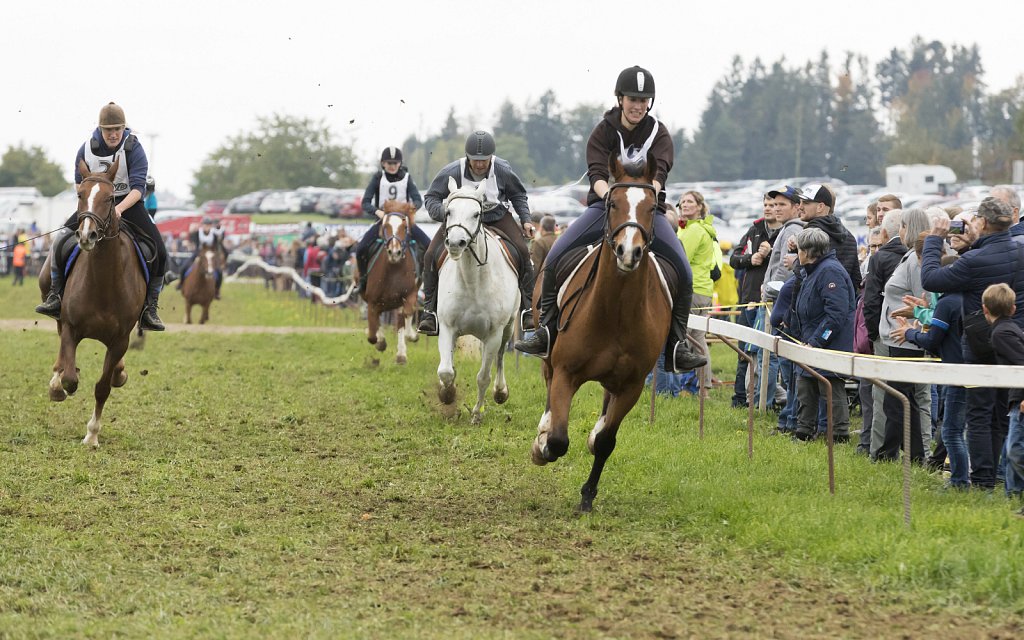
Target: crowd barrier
877	370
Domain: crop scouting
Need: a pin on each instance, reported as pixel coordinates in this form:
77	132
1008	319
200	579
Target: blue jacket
943	336
824	306
992	259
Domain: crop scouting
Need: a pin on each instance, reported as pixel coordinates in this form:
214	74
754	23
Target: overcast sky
189	73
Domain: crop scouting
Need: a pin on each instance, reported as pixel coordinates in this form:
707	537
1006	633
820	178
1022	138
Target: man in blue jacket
993	258
820	317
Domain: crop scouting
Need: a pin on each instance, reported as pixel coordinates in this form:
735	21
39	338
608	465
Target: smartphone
956	226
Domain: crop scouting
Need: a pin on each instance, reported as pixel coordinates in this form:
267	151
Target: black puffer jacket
844	244
753	276
880	269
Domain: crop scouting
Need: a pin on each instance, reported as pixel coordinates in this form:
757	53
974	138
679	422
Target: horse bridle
472	234
102	224
610	233
387	237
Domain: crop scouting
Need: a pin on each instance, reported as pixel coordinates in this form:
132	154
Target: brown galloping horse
200	284
103	298
391	282
615	332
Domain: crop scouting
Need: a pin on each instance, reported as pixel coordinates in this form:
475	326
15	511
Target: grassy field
253	483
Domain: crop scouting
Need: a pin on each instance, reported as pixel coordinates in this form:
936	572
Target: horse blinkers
628	252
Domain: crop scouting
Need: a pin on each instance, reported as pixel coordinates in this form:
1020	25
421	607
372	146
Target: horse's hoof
91	441
371	339
119	381
382	345
477	418
585	506
413	337
70	387
446	394
501	396
537	454
400	360
58	394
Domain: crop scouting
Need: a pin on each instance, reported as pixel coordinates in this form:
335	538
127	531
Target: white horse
478	295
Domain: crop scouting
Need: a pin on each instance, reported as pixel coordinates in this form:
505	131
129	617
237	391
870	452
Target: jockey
629	127
504	188
208	235
392	182
150	201
111	140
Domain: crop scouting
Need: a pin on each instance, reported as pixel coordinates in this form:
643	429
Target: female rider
392	182
111	140
627	126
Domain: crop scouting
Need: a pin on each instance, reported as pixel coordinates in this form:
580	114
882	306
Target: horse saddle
574	260
67	250
508	251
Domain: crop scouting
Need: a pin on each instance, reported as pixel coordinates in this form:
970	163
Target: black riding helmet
480	145
635	82
391	154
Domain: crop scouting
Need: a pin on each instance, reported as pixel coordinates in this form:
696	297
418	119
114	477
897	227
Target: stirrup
426	327
538	344
51	307
684	359
524	315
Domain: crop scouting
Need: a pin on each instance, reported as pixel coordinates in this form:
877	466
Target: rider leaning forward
113	140
629	127
392	182
504	192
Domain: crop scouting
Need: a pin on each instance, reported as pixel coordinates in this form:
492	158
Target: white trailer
919	178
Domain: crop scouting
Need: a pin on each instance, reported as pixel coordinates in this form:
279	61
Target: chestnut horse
617	326
200	283
391	281
103	295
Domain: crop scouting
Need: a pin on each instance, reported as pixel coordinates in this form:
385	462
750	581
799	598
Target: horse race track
278	482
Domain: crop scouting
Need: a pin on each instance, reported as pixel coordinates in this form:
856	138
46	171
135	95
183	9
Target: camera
956	226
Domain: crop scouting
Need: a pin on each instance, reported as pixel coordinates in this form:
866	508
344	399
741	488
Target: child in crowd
1008	343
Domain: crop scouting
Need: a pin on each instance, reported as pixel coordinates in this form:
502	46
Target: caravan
919	178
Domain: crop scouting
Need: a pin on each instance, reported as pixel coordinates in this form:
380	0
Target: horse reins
385	229
101	224
472	235
609	235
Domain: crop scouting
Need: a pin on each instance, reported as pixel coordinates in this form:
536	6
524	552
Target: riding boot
184	272
428	317
218	279
679	357
541	341
150	321
526	297
51	307
361	266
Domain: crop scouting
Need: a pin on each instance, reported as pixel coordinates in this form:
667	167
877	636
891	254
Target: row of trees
924	104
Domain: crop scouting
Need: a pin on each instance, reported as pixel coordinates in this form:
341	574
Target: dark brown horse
200	284
391	282
103	295
616	316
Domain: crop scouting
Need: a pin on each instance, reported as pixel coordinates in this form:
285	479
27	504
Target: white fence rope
256	261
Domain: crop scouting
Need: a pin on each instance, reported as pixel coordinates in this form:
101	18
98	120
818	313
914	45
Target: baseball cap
994	210
817	193
790	193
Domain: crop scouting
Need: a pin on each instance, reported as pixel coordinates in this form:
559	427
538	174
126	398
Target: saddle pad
68	252
574	259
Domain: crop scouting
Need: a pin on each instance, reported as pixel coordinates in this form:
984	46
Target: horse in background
616	308
103	295
392	281
200	285
478	295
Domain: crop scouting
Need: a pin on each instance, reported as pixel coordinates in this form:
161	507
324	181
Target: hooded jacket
604	140
843	242
698	238
880	269
753	276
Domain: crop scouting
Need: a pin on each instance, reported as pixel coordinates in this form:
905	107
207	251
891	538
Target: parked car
248	203
281	202
564	208
212	207
346	203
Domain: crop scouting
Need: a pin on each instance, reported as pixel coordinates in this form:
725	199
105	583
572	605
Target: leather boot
149	320
526	297
361	265
679	357
428	317
539	344
51	307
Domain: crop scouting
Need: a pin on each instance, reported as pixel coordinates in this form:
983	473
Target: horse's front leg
401	328
57	393
552	439
120	376
601	441
188	312
206	314
68	366
489	353
115	352
500	386
374	333
446	369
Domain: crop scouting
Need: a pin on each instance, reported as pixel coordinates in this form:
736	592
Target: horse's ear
615	169
481	191
83	168
112	171
652	167
452	185
379	215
